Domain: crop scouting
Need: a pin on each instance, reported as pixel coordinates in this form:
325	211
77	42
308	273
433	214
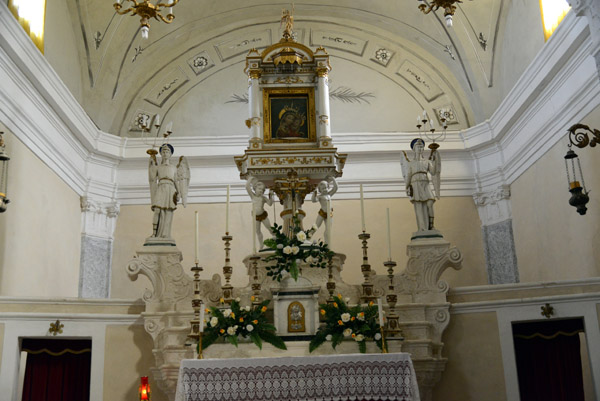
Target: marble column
498	241
254	103
324	130
591	10
98	222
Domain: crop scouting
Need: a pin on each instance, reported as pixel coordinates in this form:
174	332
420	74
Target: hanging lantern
579	194
144	389
3	175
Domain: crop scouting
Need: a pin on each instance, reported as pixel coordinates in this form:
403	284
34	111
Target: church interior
313	113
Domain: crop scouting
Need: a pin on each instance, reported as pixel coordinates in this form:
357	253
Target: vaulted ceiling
389	61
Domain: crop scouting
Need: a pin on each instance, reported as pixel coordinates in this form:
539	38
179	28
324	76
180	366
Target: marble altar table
373	377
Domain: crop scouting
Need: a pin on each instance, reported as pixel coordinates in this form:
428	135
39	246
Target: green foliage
288	250
246	322
341	321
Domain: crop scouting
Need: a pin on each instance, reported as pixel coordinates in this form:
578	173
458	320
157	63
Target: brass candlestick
227	270
367	287
197	325
393	328
256	287
330	281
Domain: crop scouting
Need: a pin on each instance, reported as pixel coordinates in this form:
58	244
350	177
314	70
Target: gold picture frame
289	115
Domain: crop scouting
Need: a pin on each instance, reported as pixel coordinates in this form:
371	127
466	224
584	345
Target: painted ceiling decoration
421	63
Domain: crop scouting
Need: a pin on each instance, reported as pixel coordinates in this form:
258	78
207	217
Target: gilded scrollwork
290	160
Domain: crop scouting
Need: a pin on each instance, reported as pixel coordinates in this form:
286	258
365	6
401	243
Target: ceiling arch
441	68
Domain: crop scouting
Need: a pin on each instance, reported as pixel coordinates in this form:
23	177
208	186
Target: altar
295	295
348	377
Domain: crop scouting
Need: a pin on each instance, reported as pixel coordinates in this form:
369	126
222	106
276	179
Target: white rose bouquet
300	246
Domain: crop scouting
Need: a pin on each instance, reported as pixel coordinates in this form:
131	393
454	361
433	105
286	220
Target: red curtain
57	370
549	360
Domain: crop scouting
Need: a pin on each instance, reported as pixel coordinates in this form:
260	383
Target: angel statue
256	190
323	195
168	185
416	177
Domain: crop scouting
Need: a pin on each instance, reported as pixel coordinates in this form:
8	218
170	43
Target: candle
169	128
201	318
389	237
253	231
157	120
227	212
328	223
380	307
362	208
196	245
274	213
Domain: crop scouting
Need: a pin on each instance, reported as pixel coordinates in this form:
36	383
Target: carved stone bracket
427	260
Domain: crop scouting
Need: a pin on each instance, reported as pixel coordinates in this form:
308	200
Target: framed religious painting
289	115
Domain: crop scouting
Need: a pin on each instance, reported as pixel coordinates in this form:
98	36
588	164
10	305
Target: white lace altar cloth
378	377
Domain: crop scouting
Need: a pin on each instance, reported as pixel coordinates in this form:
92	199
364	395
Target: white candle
196	245
274	213
157	120
380	307
362	208
389	236
253	231
328	223
169	128
227	212
201	318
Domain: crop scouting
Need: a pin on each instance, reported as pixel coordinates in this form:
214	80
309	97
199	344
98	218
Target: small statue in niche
323	195
417	182
168	185
296	322
256	190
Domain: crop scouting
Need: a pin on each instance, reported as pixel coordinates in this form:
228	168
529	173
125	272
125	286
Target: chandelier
447	5
146	11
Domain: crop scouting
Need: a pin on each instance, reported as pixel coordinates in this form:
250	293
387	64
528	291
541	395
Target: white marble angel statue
168	185
256	190
323	195
416	177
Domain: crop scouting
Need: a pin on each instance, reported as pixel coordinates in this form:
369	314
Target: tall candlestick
380	307
227	212
389	235
253	231
362	209
196	245
202	318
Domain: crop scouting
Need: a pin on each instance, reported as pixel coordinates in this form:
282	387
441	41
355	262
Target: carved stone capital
493	206
580	6
98	219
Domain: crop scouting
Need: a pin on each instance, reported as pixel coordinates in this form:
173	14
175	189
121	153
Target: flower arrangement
341	321
240	321
296	247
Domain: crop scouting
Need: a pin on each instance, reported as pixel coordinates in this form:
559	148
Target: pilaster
98	220
498	241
